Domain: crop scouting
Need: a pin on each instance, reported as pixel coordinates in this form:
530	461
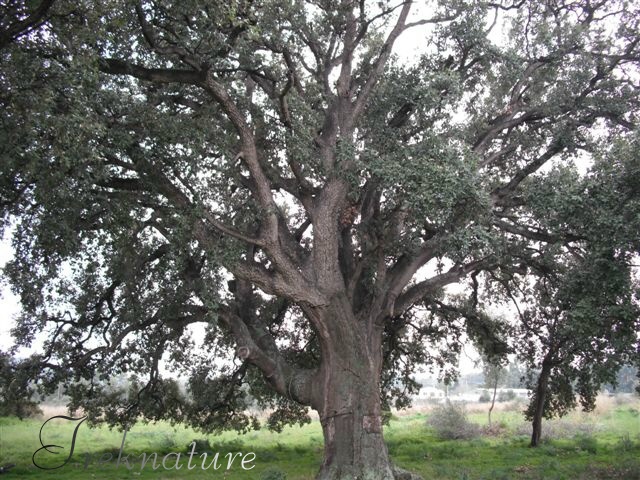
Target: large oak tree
269	169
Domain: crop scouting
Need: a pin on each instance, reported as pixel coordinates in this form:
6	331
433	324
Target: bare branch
406	267
380	62
556	147
182	53
426	21
290	382
18	28
537	234
418	291
159	75
295	288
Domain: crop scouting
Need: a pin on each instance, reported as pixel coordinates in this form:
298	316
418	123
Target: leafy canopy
241	165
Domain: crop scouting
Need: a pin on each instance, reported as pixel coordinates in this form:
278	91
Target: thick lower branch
114	66
413	294
286	380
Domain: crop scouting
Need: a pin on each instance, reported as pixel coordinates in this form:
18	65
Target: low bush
622	399
559	428
202	445
496	429
506	396
166	442
587	444
515	405
625	443
450	422
273	473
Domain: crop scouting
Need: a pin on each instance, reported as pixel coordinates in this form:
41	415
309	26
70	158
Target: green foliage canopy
247	165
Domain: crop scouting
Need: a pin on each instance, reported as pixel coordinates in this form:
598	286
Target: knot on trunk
348	215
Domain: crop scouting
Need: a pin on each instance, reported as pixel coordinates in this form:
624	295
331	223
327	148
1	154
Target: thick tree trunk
540	396
354	447
347	398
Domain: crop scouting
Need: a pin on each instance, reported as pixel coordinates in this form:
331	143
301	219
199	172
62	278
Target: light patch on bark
330	430
372	423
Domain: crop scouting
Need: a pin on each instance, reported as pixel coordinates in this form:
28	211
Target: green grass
609	450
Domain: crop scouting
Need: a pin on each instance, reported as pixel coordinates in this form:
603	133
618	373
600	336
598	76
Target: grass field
604	444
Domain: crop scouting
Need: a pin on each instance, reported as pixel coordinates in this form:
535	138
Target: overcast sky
9	305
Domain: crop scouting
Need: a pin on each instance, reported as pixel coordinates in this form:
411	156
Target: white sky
9	305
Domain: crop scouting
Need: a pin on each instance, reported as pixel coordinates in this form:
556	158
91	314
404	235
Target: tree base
394	473
402	474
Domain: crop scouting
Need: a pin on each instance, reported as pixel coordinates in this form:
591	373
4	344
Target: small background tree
494	373
18	396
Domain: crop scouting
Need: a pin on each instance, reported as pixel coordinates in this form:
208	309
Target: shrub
273	473
495	430
506	396
516	405
387	416
165	442
202	445
587	444
560	428
623	399
485	397
625	443
450	422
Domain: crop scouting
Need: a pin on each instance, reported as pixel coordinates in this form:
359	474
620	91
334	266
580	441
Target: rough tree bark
351	423
346	394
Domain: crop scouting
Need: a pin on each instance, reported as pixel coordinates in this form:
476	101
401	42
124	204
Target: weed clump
587	444
506	396
202	445
560	428
625	443
450	422
273	473
484	397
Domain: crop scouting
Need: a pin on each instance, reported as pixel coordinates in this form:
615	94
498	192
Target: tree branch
182	53
380	62
289	382
15	30
114	66
537	235
418	291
